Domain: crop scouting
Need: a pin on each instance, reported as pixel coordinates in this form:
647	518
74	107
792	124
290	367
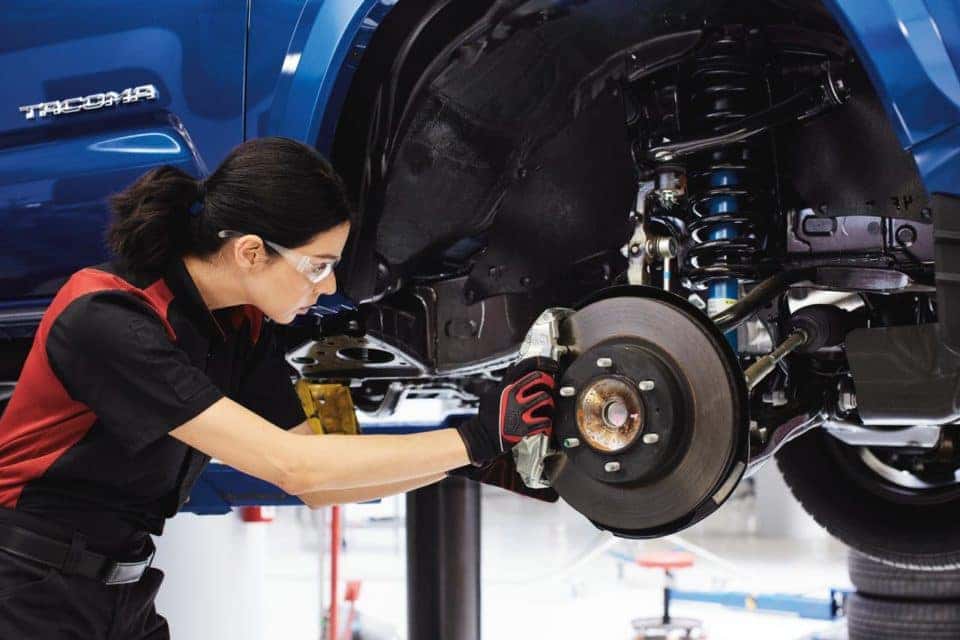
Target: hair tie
197	207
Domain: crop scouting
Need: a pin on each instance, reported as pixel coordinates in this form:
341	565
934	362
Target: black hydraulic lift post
443	561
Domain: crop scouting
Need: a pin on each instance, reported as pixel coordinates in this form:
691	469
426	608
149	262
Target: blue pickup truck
746	217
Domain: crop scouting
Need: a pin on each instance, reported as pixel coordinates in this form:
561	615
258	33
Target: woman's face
282	292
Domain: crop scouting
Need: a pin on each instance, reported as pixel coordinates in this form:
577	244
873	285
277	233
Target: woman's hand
521	405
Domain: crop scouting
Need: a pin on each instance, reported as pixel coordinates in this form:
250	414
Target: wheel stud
651	438
647	385
611	467
570	443
567	392
604	363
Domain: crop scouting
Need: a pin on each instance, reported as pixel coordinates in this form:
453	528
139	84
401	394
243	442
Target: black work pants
39	602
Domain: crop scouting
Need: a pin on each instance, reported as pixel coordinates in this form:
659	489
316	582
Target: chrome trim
91	102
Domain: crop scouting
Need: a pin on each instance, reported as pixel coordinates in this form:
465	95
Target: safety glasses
312	269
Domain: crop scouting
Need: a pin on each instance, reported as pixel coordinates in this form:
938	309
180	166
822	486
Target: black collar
185	291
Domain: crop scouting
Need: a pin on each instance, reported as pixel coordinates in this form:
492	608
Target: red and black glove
521	405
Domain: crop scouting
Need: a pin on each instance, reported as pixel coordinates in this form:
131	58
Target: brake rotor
651	417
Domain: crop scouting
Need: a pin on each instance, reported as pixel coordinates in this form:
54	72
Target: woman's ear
249	251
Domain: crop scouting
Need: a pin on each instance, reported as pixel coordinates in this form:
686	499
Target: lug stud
604	363
651	438
567	392
570	443
647	385
611	467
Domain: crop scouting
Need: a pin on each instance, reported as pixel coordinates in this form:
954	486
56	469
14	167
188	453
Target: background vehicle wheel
875	619
875	578
913	528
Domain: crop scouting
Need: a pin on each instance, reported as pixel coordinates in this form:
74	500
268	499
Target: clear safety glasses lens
312	271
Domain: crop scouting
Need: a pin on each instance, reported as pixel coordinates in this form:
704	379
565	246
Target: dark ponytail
277	188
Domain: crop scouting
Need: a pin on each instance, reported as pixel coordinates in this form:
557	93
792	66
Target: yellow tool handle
329	407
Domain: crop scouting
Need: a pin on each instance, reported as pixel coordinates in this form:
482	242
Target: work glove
521	405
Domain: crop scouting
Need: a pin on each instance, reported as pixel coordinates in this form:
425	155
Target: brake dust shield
651	417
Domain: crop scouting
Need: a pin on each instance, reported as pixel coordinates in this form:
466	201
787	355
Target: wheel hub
652	423
609	414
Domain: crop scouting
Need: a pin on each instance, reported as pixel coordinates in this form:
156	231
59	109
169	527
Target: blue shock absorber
723	292
726	85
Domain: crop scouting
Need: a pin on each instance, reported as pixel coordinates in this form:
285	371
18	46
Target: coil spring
725	233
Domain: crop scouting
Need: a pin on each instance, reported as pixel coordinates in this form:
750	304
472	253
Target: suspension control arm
765	364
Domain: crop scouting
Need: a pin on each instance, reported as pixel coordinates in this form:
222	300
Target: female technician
143	369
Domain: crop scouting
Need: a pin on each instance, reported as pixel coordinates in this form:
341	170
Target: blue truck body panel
56	171
911	50
324	51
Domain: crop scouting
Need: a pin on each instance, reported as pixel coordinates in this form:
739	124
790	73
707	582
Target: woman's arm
319	499
303	465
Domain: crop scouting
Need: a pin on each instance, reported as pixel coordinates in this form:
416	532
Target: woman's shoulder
96	299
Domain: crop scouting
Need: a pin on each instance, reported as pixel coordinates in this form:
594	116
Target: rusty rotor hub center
610	414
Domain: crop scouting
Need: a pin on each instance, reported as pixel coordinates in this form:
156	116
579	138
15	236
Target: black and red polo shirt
120	360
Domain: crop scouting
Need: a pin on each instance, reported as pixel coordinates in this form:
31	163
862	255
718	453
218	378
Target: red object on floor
665	626
667	560
257	514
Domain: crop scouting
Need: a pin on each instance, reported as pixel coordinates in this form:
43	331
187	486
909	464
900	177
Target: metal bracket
542	340
925	436
642	247
635	251
529	455
781	435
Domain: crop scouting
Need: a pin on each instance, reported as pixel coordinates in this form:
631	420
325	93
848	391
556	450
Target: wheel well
410	37
493	145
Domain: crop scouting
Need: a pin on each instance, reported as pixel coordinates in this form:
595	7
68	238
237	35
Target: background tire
874	578
853	504
875	619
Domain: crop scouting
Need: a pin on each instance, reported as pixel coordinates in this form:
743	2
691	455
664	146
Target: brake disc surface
652	422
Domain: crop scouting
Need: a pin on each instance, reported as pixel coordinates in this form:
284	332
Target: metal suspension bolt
567	392
651	438
647	385
777	398
604	363
847	401
662	246
611	467
570	443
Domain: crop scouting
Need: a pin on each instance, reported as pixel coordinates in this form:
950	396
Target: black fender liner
522	141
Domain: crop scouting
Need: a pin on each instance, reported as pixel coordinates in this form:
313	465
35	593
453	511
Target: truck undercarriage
738	253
